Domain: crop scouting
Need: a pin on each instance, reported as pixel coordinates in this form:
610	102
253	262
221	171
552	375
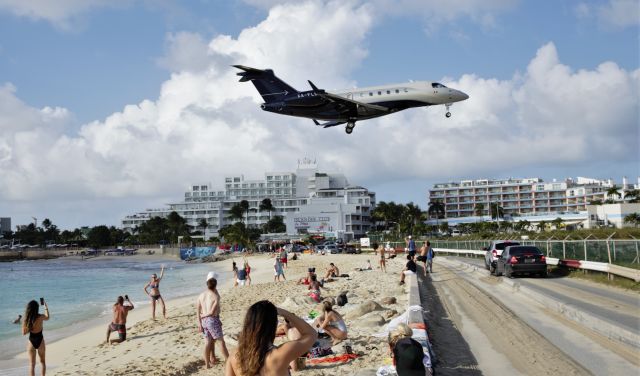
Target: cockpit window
436	85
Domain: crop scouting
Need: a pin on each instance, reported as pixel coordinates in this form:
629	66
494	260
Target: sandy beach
174	346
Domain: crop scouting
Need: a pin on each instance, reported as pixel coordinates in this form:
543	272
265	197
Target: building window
195	188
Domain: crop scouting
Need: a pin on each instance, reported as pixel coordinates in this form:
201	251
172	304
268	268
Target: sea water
80	291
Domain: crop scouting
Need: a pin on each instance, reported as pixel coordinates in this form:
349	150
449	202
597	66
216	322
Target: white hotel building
529	197
310	202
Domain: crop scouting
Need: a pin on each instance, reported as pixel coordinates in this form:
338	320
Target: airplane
346	106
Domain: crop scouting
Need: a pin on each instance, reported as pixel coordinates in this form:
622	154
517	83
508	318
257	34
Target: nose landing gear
447	106
349	127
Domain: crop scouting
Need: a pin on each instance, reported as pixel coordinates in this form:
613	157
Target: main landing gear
349	127
447	106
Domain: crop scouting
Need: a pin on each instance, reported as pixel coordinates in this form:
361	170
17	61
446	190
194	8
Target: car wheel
544	274
498	273
508	273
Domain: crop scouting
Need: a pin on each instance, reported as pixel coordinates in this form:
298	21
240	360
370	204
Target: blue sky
92	60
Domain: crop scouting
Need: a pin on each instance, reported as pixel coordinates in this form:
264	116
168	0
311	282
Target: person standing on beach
119	323
209	324
380	250
277	266
154	293
256	353
33	324
412	247
247	268
430	255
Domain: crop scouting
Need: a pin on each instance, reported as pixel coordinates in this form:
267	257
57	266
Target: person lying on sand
366	267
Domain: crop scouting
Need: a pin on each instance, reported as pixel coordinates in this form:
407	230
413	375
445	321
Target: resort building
469	200
337	208
5	225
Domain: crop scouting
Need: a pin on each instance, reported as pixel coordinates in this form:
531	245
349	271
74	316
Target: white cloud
59	12
205	124
615	14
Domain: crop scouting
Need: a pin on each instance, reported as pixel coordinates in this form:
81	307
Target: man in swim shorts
119	323
209	324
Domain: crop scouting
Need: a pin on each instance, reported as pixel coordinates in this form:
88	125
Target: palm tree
633	218
633	195
437	208
542	226
495	210
413	214
236	212
479	209
557	223
266	205
381	212
203	223
613	191
244	204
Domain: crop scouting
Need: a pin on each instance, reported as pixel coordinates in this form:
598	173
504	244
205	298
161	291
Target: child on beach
277	266
33	324
154	293
314	289
256	353
119	322
208	313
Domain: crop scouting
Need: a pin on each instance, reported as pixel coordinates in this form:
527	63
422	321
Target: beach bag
318	352
342	299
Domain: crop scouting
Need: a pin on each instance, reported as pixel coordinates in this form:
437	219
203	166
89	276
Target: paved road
614	305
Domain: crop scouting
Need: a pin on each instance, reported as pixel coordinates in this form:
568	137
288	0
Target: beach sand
174	346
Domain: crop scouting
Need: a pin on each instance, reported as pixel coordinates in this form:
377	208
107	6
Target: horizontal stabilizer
328	124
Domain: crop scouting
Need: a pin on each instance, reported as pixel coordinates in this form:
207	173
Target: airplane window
379	93
397	91
406	90
370	94
436	85
388	91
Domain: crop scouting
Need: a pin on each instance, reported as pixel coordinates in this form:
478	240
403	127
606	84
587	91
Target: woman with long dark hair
256	354
32	324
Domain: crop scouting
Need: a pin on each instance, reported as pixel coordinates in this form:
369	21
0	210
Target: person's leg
164	308
41	354
336	334
223	347
31	352
108	333
402	277
153	308
283	277
208	355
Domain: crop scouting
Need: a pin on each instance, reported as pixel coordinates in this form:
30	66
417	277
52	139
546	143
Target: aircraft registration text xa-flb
348	106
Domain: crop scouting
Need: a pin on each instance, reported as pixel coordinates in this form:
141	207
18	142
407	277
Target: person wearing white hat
209	324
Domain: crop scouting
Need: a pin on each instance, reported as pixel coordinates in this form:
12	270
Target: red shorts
283	260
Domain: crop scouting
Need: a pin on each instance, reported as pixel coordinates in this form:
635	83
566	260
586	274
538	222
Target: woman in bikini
33	324
383	263
332	323
154	293
314	288
256	354
247	268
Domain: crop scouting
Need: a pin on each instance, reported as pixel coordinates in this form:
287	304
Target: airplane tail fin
270	87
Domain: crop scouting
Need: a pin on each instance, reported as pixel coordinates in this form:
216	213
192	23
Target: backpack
342	299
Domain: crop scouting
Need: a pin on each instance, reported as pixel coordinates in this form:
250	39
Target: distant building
610	215
5	225
529	198
309	200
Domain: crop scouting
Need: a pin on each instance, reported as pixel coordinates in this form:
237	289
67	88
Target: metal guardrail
621	252
622	271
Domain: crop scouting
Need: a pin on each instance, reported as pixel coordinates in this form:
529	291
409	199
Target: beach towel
344	358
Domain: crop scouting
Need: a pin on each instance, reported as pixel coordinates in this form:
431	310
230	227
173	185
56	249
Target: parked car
494	251
332	248
521	259
350	248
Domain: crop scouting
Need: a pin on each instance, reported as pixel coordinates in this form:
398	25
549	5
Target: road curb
570	312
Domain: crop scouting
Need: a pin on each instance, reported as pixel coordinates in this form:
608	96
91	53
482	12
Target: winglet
314	87
315	121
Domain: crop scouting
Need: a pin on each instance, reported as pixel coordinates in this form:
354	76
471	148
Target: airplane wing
352	103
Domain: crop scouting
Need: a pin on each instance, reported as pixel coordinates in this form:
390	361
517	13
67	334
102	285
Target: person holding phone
33	325
119	322
256	353
154	293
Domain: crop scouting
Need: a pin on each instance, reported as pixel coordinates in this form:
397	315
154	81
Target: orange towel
334	359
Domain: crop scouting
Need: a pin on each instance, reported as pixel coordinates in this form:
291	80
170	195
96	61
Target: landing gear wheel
349	127
447	106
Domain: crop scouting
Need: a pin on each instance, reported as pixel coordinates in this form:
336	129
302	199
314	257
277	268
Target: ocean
80	291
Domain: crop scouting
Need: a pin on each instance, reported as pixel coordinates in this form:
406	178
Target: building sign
364	242
196	252
313	224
